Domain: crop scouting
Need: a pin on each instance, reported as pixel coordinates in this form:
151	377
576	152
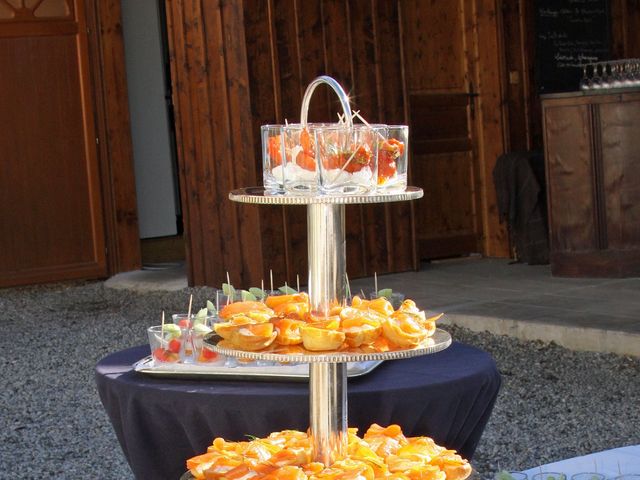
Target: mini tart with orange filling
274	301
380	305
322	336
250	337
361	327
428	323
236	308
288	330
404	330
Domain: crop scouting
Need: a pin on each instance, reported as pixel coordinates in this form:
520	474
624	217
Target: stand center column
327	381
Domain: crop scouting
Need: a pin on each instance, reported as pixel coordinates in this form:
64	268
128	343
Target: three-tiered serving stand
327	286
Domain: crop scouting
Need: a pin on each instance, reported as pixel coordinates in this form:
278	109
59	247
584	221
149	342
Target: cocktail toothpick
298	282
375	282
357	114
189	310
271	278
348	292
163	342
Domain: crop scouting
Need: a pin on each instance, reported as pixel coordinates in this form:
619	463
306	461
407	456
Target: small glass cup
272	158
589	476
347	158
300	167
393	159
549	476
510	475
202	353
628	476
184	321
167	344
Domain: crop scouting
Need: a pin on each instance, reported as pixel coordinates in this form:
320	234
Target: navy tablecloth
161	422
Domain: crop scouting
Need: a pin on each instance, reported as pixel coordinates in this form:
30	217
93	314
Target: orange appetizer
285	324
383	453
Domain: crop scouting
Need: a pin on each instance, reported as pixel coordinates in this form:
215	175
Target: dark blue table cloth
161	422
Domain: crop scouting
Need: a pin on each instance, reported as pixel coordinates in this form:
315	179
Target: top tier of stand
257	195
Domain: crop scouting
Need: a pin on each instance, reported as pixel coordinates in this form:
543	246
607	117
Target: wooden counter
592	157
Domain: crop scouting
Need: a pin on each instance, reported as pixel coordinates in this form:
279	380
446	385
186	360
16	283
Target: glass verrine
202	353
183	320
588	476
300	168
393	154
166	343
347	158
510	475
272	158
549	476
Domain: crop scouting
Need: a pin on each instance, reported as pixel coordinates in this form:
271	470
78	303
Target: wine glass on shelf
596	81
585	81
633	74
606	81
617	77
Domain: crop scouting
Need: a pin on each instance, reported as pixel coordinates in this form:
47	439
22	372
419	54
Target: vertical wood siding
216	150
289	43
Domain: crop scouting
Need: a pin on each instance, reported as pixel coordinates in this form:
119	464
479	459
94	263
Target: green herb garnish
247	296
258	293
228	290
385	292
287	290
211	307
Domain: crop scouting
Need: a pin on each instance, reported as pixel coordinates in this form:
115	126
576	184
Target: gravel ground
554	403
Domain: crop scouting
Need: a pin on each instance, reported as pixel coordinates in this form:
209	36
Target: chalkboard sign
569	34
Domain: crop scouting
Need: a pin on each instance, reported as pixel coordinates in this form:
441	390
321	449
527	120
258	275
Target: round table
160	422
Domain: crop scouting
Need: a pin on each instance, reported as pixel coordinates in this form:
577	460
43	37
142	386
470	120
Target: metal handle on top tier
327	273
342	96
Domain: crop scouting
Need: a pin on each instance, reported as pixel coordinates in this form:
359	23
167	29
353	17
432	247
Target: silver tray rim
240	372
258	195
440	340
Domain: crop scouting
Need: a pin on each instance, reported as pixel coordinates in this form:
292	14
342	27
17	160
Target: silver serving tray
258	195
220	370
437	342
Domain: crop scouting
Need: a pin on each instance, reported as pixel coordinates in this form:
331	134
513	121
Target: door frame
490	125
115	149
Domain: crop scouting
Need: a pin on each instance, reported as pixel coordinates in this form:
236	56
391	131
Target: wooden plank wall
289	43
215	143
625	24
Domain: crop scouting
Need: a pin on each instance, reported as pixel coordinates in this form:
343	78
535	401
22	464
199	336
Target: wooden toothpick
348	292
375	282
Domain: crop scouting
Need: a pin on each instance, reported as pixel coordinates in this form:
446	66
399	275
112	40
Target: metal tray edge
235	373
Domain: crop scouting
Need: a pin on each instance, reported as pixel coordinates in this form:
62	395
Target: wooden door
449	92
51	220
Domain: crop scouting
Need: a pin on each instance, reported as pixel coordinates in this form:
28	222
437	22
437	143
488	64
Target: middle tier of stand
327	273
439	341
